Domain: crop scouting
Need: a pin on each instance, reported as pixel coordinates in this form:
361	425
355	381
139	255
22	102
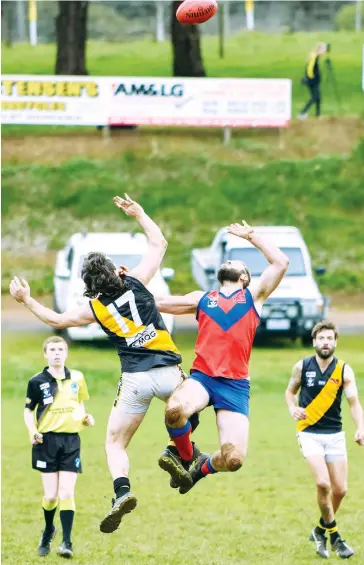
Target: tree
187	58
7	22
71	31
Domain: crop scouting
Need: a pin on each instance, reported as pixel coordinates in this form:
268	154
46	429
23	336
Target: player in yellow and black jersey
322	380
127	313
54	415
312	79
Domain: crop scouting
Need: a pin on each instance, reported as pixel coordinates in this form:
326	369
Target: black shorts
58	452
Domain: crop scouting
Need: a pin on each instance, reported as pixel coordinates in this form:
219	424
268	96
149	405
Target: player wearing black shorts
54	414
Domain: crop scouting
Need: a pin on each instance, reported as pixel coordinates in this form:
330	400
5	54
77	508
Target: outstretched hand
128	206
241	230
19	290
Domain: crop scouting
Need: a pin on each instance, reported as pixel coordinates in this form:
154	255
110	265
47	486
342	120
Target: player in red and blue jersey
227	322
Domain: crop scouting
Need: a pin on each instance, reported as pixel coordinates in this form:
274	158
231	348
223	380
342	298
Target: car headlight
312	307
292	311
266	310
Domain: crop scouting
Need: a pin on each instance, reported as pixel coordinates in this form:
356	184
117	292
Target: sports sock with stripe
333	531
121	486
207	468
67	509
49	509
181	438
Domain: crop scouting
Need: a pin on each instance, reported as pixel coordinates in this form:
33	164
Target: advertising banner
54	100
210	102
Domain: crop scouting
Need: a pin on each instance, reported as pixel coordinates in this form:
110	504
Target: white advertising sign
79	100
53	100
201	102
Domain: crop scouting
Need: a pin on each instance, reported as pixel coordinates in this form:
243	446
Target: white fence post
226	135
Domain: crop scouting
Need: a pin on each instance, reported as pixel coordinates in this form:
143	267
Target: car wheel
306	340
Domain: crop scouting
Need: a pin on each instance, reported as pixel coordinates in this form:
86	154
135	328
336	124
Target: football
192	12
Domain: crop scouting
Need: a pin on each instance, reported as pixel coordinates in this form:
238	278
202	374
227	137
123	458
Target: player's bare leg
233	431
322	476
338	471
121	428
50	502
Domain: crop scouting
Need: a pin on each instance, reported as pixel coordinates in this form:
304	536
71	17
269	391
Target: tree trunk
187	58
7	22
71	31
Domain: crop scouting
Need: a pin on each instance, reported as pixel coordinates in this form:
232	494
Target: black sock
333	531
66	517
321	528
121	486
49	517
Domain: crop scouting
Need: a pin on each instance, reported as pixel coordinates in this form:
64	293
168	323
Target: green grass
261	515
247	55
191	198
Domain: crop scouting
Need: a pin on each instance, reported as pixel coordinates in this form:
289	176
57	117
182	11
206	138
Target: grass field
247	55
261	515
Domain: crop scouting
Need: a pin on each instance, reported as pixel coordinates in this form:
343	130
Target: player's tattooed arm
295	380
294	385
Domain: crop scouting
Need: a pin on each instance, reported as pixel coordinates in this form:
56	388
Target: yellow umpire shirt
58	401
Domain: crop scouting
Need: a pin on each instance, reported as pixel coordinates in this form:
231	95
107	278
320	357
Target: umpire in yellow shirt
54	414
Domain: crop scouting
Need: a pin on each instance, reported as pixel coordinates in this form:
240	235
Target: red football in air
196	12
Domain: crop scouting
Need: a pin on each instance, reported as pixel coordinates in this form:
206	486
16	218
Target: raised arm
186	304
152	259
294	385
81	316
356	411
272	275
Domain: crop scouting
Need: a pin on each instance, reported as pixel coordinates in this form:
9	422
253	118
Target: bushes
345	18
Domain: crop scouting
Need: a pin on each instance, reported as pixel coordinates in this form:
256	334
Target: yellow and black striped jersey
320	395
134	325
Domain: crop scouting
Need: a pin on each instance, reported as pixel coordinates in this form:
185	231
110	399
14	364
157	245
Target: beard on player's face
325	351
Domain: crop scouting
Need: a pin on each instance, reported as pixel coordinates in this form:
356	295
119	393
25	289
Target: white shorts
136	390
330	446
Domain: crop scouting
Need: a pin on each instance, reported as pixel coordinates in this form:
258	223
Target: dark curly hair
98	274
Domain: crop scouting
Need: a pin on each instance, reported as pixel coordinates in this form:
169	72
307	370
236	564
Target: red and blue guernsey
226	330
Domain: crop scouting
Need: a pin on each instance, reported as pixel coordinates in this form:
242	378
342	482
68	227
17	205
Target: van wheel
306	340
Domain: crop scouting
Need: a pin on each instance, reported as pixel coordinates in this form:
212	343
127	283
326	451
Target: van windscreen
257	262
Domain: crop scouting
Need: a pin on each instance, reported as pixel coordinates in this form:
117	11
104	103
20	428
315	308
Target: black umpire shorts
58	452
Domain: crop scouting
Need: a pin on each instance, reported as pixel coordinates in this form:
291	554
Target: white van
296	305
123	249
